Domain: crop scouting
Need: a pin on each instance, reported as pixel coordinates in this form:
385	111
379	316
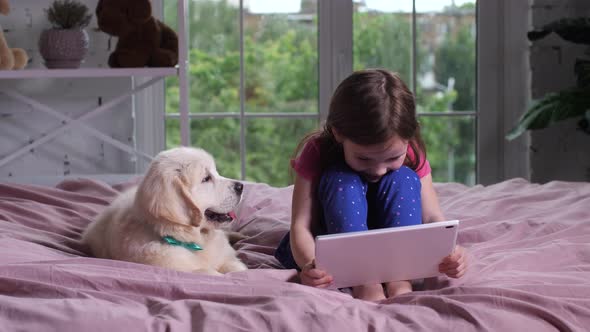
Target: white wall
74	152
559	152
503	83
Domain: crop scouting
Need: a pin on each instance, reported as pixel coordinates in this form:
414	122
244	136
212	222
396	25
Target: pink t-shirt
307	164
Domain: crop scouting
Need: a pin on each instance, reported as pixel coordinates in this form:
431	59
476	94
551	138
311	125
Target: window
431	44
255	86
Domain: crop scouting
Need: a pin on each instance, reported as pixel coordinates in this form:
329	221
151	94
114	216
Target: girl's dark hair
369	107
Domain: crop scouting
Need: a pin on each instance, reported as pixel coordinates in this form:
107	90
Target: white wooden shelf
153	76
88	72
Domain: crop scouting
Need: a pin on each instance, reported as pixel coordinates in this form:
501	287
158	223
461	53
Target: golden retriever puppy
172	218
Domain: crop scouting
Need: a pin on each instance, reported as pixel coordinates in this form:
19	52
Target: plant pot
63	48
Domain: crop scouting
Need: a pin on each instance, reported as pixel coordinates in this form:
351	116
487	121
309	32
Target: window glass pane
444	63
280	75
220	137
270	145
214	56
446	36
382	36
280	46
450	143
172	133
280	66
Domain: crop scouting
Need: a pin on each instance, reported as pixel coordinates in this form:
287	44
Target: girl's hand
455	264
311	276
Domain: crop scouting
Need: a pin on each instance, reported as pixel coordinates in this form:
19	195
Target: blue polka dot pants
351	204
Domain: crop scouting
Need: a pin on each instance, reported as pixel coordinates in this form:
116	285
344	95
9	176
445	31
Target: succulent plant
68	14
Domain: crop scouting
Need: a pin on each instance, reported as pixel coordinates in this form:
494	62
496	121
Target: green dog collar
188	245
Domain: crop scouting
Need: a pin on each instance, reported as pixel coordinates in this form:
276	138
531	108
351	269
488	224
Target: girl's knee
341	173
339	178
342	196
398	199
403	176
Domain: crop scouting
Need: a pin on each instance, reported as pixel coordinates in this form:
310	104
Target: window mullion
242	97
414	49
334	47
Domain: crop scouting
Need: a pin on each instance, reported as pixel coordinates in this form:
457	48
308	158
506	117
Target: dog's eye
206	179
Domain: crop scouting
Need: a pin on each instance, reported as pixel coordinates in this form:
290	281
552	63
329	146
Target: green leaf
68	14
553	108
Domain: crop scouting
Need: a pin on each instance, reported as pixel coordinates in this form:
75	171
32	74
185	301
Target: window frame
501	94
502	79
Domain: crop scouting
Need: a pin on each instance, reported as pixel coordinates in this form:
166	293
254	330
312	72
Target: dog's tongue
232	214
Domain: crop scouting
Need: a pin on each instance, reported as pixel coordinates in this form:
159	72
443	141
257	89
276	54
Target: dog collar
188	245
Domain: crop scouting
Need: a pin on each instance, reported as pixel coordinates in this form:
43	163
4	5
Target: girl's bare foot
395	288
368	292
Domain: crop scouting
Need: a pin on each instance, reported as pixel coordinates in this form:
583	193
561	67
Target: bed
530	269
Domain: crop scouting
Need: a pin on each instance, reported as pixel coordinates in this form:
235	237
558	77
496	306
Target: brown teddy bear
10	58
143	40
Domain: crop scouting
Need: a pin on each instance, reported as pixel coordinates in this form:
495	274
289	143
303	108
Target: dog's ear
164	196
139	11
195	213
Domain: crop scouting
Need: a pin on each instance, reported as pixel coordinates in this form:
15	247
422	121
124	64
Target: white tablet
388	254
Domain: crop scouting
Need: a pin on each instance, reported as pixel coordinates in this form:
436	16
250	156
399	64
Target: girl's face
374	161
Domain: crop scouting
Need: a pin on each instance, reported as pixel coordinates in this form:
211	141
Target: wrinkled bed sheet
529	248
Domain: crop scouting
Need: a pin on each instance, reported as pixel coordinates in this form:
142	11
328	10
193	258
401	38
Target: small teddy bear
143	40
10	58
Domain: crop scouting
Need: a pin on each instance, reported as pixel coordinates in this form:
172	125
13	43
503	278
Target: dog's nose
238	187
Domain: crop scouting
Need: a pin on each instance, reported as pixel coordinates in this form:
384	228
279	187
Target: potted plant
569	103
65	45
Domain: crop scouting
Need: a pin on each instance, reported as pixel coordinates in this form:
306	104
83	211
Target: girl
366	169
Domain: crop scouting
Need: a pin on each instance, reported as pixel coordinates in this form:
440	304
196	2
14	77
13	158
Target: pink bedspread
530	270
